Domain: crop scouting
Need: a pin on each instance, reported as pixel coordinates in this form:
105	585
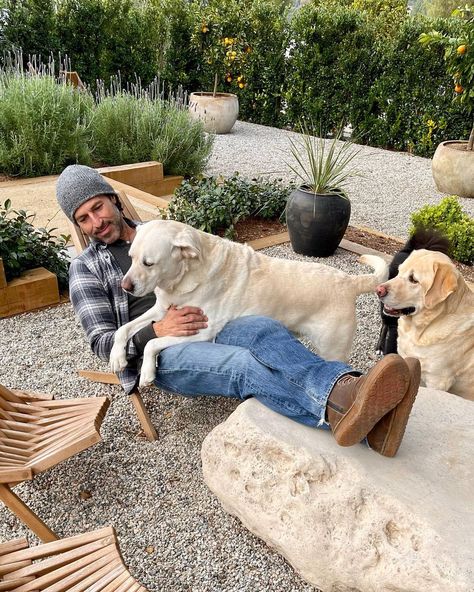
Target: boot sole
399	415
384	387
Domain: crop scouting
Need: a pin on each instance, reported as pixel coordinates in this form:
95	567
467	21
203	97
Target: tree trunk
215	85
470	143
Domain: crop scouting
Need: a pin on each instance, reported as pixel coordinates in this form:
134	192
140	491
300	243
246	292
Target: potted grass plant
318	211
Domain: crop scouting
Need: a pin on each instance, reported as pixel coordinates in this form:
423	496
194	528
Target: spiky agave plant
323	166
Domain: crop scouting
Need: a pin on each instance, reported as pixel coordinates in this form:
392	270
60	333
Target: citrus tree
459	59
219	36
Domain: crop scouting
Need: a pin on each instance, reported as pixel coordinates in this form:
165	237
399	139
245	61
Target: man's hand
180	322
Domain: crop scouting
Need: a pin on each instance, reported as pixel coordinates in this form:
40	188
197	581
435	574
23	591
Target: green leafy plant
335	46
323	166
214	205
23	247
459	59
44	124
135	126
448	217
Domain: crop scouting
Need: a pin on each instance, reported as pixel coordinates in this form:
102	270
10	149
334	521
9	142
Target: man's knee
254	323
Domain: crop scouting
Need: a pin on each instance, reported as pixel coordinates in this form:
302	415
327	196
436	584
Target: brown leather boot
387	434
357	403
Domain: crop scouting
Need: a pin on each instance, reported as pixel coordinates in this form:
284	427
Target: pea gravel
392	185
173	533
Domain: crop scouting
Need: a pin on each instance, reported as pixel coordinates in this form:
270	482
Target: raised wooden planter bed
33	289
147	177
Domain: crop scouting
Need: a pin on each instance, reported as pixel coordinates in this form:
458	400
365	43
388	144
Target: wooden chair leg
143	416
97	376
12	501
140	409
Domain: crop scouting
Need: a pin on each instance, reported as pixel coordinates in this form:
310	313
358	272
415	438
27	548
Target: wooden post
3	279
12	501
143	416
74	79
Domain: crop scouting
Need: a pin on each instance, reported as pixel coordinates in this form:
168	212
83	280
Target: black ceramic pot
316	222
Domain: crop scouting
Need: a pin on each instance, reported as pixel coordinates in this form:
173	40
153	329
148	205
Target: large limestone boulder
348	519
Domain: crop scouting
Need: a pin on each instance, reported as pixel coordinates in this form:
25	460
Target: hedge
333	61
411	100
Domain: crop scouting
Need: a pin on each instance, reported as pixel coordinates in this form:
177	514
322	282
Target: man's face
99	218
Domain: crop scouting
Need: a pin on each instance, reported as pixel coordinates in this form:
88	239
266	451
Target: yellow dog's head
424	280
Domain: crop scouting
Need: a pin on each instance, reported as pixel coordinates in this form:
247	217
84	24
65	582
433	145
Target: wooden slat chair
81	241
90	561
37	433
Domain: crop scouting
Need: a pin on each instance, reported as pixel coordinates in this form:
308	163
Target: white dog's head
161	253
424	280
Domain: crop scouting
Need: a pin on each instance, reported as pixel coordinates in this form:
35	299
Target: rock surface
348	519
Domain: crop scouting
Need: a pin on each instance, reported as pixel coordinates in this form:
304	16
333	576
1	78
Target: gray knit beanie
78	183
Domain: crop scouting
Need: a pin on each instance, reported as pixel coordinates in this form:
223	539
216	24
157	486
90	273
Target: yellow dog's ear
445	282
189	242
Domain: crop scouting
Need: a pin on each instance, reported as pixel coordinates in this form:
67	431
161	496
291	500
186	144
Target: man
251	357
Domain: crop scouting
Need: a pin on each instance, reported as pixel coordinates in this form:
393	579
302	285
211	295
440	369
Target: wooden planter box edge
34	289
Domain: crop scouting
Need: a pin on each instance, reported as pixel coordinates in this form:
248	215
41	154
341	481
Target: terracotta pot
218	113
316	222
453	168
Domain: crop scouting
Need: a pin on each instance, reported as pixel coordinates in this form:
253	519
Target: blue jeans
254	357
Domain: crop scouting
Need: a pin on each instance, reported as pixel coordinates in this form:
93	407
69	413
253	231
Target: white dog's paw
117	360
147	372
147	375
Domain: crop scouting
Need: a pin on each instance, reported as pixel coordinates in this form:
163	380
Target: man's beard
113	230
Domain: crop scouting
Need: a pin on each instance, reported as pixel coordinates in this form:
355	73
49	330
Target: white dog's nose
381	291
127	284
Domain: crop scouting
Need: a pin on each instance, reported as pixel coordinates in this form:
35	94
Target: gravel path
393	185
152	493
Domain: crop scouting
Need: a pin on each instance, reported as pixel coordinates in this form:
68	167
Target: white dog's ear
189	243
445	282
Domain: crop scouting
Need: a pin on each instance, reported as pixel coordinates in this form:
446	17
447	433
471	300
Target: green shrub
181	63
182	146
449	218
129	128
332	64
102	38
44	126
459	59
212	205
23	247
29	25
410	100
262	98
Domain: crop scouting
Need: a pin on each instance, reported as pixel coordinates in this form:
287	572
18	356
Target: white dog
227	280
436	325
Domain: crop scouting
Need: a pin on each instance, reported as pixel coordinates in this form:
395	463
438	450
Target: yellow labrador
185	266
436	325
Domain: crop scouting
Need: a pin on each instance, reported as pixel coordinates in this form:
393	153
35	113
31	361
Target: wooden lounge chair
37	433
90	561
81	241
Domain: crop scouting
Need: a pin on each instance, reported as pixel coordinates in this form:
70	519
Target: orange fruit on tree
462	49
458	88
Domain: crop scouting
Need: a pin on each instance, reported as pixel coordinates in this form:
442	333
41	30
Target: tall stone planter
453	168
217	112
316	221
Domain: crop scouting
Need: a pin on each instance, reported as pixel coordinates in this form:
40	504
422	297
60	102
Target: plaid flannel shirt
101	305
